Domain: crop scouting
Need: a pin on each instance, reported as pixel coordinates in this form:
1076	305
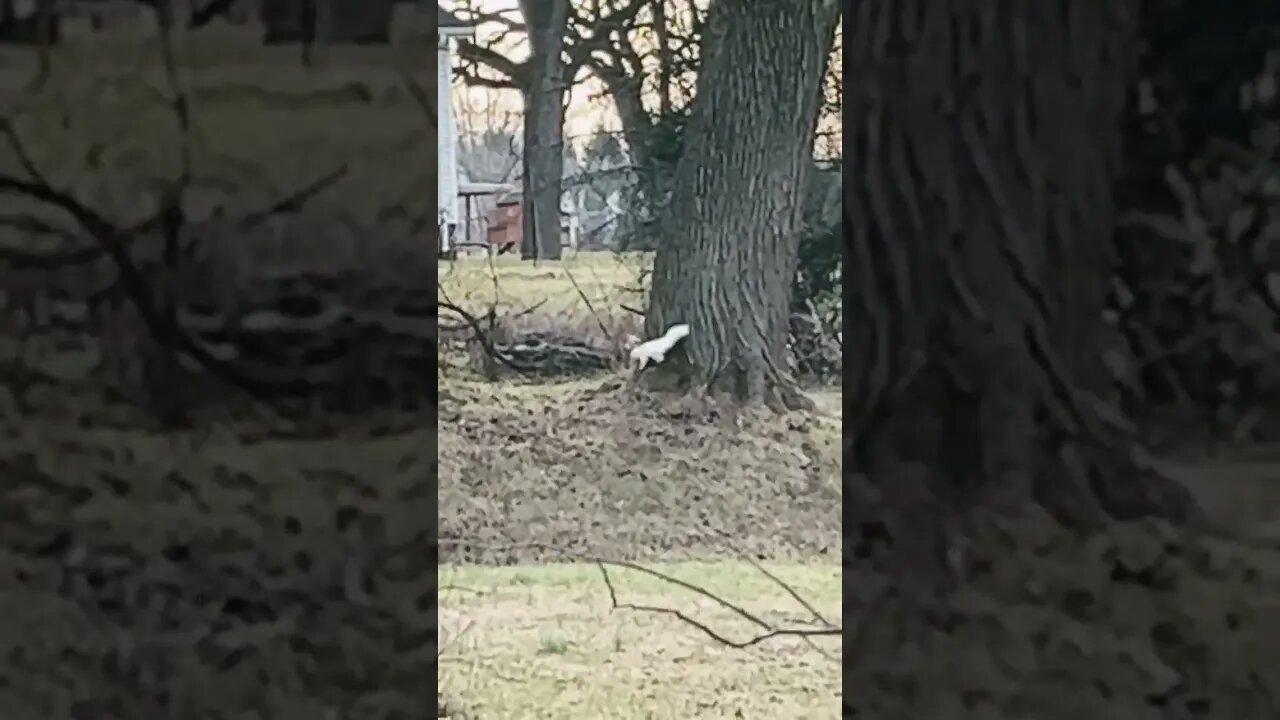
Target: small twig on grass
789	590
441	647
586	300
458	327
529	310
799	599
493	279
459	588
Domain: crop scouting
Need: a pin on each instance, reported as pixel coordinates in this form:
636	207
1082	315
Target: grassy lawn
605	279
530	642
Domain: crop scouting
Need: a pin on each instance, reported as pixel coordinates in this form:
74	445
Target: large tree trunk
731	241
544	128
978	216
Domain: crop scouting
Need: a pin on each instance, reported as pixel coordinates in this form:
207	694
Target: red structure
506	225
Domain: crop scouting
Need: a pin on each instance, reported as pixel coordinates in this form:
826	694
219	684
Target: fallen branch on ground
822	627
768	631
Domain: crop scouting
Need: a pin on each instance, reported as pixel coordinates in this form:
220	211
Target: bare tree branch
769	632
515	75
480	335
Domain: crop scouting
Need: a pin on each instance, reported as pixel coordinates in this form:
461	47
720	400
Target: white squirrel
655	350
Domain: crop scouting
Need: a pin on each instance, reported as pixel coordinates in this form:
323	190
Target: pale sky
585	115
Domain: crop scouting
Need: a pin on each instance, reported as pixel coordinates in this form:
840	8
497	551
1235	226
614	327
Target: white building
451	29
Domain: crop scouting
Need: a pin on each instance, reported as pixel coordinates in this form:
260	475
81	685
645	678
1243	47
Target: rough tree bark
985	139
544	128
731	241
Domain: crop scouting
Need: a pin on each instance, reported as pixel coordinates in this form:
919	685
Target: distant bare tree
543	80
489	139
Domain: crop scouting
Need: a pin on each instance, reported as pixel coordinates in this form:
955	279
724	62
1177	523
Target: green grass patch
541	642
